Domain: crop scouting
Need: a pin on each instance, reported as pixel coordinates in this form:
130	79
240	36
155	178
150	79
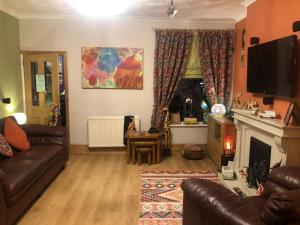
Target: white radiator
107	131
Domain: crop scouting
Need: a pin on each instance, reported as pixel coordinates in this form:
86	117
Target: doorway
45	82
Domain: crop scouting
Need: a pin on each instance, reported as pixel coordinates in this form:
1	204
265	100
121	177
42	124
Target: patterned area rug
161	197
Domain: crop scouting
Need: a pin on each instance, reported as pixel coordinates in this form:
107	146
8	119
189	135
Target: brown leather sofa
208	203
25	176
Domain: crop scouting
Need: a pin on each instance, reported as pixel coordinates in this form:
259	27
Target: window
193	89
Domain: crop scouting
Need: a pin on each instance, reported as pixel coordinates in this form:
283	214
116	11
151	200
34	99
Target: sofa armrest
215	201
3	206
282	208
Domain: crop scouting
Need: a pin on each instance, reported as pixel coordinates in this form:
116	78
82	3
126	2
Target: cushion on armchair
282	208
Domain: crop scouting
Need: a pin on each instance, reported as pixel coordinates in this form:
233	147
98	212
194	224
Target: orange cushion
15	135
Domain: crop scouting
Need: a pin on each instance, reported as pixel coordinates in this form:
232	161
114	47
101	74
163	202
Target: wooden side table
218	128
142	137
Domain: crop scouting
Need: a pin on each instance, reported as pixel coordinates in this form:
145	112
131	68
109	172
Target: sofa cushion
18	172
43	153
15	135
26	166
5	149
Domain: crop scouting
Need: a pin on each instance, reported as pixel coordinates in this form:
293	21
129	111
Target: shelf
199	124
272	126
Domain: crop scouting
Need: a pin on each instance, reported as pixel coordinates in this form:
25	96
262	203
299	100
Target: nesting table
133	137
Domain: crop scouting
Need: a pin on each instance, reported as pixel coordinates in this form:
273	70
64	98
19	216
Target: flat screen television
272	67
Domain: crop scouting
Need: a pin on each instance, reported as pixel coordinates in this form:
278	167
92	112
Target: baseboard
85	150
115	150
78	149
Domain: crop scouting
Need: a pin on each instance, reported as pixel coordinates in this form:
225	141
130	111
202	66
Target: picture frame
289	113
112	68
175	118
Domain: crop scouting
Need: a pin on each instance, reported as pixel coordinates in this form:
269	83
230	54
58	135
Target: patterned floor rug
161	197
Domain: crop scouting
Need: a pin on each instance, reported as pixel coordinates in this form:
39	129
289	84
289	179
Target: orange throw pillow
15	135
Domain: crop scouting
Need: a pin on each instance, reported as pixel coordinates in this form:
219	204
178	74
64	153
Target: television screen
272	67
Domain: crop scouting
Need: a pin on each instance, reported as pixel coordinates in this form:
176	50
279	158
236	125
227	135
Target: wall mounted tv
272	67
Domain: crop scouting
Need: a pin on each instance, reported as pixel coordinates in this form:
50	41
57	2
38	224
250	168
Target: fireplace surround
284	142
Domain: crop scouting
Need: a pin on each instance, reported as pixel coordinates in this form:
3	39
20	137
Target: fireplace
259	162
274	143
265	134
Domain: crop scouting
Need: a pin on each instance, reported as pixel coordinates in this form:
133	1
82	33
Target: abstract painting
119	68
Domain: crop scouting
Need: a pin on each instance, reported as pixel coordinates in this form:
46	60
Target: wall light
20	117
6	100
101	8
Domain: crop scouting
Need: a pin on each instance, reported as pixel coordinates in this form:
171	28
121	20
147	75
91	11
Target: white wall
72	34
193	134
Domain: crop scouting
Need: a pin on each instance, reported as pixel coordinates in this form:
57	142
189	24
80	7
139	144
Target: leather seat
16	177
30	165
43	153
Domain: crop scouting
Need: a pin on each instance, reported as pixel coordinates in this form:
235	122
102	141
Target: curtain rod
192	30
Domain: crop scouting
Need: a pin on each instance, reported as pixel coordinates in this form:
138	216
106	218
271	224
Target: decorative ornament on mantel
248	105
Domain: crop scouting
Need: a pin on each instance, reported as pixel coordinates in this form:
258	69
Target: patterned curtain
215	49
171	53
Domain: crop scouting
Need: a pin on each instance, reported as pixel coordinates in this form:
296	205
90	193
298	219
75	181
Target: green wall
10	68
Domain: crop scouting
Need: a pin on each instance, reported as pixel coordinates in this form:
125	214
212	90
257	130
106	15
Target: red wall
268	20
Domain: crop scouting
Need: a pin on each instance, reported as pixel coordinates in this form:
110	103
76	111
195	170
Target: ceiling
191	10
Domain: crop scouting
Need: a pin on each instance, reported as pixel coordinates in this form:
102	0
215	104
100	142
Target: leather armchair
206	202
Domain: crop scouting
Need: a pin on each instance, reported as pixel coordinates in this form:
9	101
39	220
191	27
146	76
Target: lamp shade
218	110
20	117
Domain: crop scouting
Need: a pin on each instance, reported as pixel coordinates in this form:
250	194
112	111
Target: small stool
142	147
140	151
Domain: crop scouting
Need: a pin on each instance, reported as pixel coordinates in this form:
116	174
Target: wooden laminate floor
99	189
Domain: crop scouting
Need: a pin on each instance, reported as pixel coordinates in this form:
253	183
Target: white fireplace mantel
284	142
286	139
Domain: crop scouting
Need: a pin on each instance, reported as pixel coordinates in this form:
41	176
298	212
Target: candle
228	146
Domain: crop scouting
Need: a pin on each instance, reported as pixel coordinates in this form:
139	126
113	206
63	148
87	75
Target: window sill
199	124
